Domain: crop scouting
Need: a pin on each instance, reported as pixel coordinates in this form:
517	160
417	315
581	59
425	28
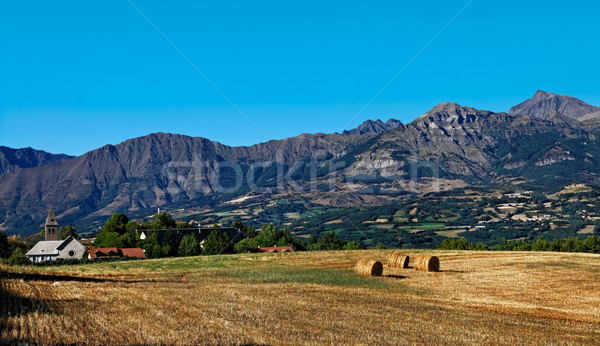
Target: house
200	233
275	249
51	248
108	252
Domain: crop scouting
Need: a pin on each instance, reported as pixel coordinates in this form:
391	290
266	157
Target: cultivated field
307	298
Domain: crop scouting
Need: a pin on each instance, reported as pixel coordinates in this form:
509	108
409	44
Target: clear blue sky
75	75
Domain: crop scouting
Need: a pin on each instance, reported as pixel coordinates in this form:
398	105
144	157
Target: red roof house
106	252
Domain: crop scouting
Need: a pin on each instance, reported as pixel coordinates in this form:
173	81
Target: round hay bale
392	258
368	267
398	260
427	263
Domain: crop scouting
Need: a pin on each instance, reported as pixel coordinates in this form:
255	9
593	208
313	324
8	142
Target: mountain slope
150	171
15	159
544	104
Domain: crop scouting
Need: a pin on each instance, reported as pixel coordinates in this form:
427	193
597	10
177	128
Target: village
52	248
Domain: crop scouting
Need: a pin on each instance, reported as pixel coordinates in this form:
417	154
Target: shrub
18	258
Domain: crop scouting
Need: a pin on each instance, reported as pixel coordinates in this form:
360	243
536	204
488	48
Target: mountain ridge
15	159
454	144
377	126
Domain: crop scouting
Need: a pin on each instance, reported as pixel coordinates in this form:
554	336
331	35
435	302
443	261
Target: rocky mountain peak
374	126
545	105
451	112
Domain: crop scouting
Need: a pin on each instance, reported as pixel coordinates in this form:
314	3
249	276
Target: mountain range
548	140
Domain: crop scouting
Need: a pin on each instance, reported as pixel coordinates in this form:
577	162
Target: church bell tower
51	226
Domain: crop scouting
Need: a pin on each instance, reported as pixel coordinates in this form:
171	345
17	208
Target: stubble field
306	298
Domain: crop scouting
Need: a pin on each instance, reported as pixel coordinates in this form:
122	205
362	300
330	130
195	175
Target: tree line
119	231
573	244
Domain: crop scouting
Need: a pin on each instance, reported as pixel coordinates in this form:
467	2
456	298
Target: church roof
51	219
45	247
49	247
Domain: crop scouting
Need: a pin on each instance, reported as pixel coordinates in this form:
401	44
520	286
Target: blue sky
75	75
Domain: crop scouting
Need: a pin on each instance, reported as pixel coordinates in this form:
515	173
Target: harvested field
307	298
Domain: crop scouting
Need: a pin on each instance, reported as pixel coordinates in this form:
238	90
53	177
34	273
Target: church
51	248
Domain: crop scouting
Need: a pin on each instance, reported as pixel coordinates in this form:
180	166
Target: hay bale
398	260
427	263
368	267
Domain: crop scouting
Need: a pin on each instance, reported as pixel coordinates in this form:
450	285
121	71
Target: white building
52	248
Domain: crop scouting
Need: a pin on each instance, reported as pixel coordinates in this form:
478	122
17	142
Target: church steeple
51	226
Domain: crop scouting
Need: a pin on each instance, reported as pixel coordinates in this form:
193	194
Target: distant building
51	248
108	252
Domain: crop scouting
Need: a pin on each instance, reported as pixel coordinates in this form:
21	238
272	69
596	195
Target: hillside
449	146
14	159
307	298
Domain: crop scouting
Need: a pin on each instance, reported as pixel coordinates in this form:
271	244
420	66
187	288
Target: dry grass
307	298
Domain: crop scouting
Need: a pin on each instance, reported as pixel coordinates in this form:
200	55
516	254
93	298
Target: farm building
51	248
108	252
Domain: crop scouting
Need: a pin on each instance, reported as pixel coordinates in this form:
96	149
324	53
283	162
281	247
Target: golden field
307	298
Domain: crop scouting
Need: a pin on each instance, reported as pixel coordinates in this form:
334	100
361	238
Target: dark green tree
163	220
246	244
239	225
250	232
67	231
116	223
150	243
108	239
313	240
180	224
217	243
170	244
352	246
117	232
330	241
189	246
132	227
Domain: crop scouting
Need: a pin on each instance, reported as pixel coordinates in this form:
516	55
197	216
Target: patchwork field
306	298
